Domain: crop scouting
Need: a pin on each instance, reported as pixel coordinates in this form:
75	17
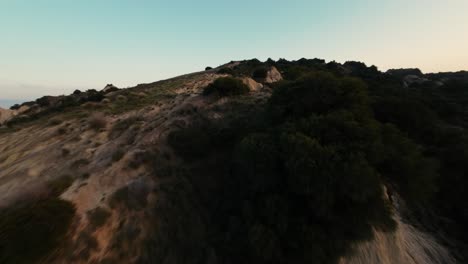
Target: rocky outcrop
9	114
273	75
413	79
110	88
252	84
5	115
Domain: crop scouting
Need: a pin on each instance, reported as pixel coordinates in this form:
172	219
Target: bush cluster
307	180
30	230
226	86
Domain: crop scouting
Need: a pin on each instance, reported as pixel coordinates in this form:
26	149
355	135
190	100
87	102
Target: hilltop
250	162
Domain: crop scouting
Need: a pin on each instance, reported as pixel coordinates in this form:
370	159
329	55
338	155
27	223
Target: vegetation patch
79	163
154	93
54	122
226	70
118	155
260	73
31	230
62	130
97	217
226	86
60	185
302	179
123	125
97	122
65	152
132	196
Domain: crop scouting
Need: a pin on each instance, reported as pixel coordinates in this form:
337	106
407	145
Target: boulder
273	75
252	84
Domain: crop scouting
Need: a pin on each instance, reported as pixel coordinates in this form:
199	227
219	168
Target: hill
250	162
5	114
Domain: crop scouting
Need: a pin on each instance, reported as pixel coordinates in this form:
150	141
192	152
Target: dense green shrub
79	163
226	70
62	130
260	73
98	217
257	160
132	196
405	165
31	229
118	155
43	101
322	168
319	92
54	122
59	185
191	142
226	86
436	118
306	183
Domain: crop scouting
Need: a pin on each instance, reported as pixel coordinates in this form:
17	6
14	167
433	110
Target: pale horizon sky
56	46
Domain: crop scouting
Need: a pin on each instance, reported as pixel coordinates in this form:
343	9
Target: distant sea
7	103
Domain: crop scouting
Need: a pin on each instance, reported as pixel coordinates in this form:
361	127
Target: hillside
250	162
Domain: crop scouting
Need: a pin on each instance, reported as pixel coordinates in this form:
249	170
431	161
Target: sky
56	46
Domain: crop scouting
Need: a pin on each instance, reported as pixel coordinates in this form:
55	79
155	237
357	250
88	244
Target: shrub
97	217
257	160
62	130
405	165
60	185
87	243
15	107
65	152
85	175
208	68
32	230
123	125
94	96
305	177
260	73
54	122
319	93
118	155
79	163
121	196
43	101
132	196
140	158
226	86
97	121
226	70
190	143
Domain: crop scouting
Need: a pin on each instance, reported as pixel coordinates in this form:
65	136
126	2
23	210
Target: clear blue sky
56	46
